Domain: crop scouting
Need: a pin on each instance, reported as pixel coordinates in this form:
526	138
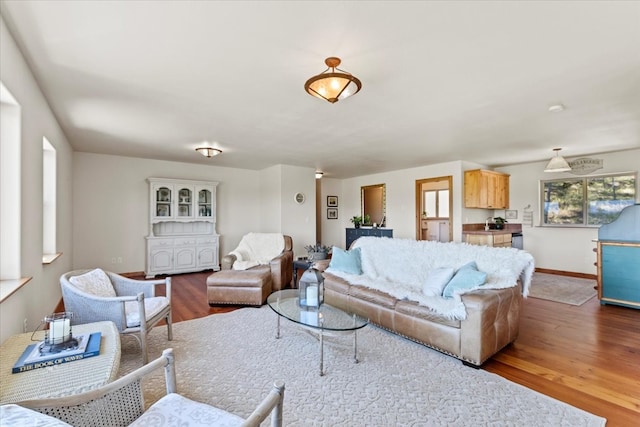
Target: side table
59	380
302	264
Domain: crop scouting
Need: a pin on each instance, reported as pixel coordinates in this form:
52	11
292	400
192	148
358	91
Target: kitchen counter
490	232
475	234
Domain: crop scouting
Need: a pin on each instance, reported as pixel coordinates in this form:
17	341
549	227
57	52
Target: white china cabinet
182	227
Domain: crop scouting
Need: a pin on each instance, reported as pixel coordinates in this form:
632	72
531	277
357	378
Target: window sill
9	287
49	258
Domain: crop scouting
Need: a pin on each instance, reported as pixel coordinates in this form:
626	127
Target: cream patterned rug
564	289
231	360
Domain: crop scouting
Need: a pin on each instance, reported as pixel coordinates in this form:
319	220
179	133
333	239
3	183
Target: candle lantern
311	289
58	336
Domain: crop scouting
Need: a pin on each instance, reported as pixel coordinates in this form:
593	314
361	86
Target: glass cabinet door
163	201
204	203
185	202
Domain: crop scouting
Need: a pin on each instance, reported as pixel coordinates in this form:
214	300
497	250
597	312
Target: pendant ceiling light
557	163
333	84
208	151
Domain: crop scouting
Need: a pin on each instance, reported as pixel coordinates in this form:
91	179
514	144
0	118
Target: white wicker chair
87	307
121	403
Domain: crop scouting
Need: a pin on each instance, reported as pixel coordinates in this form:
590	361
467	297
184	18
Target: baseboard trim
567	273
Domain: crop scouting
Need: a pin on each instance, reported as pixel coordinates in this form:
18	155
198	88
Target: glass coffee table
326	318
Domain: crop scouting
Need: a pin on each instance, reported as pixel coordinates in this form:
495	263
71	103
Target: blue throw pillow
466	277
346	261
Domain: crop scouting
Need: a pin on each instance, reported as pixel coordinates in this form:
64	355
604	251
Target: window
436	203
10	124
48	199
588	201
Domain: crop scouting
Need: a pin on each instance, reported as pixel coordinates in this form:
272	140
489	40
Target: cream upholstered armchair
121	403
96	295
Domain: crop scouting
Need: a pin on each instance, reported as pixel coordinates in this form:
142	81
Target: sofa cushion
152	306
18	416
466	277
437	279
94	282
346	261
371	295
413	309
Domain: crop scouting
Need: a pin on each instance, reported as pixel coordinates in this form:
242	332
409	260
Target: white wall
299	221
564	249
111	206
333	233
40	296
400	208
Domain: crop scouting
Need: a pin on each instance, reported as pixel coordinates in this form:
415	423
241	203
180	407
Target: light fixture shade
208	151
333	84
557	163
319	174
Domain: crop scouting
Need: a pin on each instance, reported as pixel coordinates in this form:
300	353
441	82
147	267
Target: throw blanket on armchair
257	249
399	267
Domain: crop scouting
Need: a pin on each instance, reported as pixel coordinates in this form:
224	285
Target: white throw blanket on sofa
257	249
400	267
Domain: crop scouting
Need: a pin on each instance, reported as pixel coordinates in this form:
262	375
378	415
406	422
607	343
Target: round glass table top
285	304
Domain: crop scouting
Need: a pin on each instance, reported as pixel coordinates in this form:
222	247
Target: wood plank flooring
587	356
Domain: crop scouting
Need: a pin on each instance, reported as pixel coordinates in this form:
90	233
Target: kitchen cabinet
486	189
182	227
495	239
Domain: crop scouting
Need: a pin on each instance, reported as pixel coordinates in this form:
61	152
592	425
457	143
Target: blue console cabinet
354	233
619	259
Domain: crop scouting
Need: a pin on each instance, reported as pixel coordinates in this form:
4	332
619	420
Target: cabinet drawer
160	243
184	241
207	241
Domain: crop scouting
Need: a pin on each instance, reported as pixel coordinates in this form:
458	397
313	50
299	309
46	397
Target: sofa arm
493	321
227	261
281	270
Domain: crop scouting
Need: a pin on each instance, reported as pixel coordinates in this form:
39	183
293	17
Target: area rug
564	289
231	360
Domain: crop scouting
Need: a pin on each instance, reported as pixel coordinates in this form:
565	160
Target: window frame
585	200
437	200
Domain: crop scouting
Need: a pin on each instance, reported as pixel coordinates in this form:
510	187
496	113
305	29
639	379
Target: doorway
434	207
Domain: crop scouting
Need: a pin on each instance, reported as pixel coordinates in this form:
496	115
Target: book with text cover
31	358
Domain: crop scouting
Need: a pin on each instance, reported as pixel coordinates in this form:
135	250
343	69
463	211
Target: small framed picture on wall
332	201
332	213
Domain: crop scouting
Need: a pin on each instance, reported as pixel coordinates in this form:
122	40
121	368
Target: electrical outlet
113	260
119	260
25	325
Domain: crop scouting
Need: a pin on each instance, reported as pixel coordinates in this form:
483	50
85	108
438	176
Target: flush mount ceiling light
333	84
557	163
208	151
319	174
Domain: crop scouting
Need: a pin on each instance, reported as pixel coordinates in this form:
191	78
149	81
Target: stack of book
34	358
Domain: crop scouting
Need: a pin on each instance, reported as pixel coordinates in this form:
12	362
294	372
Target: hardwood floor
587	356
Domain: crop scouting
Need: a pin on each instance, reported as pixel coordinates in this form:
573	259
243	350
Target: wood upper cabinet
486	189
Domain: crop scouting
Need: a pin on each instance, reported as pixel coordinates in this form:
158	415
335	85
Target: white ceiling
442	81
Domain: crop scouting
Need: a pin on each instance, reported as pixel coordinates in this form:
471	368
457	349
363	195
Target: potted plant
366	219
317	251
499	221
356	220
